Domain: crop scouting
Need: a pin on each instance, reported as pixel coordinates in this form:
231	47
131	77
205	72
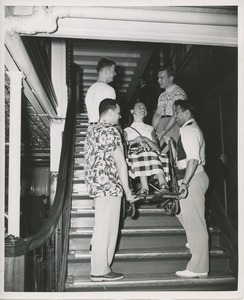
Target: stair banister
51	240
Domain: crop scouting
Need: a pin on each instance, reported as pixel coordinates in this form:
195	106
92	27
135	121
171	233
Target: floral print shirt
101	175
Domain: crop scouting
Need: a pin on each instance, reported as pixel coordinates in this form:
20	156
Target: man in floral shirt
106	177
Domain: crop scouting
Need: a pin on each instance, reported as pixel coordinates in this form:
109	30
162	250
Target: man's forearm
190	170
155	120
171	123
123	175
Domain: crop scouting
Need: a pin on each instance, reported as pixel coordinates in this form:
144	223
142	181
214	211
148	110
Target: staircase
151	248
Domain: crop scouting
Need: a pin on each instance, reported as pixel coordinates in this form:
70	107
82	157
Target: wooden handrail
54	233
64	175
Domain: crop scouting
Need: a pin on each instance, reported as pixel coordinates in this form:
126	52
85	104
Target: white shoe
187	246
189	274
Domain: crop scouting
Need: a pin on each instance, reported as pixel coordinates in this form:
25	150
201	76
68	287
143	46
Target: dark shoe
142	194
164	189
107	277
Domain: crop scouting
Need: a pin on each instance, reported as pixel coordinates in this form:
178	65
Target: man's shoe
189	274
107	277
187	246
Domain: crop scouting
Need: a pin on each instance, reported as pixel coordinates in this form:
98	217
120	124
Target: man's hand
166	139
183	190
130	197
162	134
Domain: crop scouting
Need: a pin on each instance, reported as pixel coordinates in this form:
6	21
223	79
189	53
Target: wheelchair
168	202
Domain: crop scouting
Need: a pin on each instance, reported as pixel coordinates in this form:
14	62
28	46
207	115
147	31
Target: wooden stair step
133	237
152	216
78	167
85	203
82	124
79	161
146	261
80	131
153	282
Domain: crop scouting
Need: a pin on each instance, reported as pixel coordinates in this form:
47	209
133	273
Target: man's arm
156	118
190	171
171	123
118	156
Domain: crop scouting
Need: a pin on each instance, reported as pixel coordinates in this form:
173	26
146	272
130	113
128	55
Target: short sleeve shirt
95	94
168	97
193	142
101	175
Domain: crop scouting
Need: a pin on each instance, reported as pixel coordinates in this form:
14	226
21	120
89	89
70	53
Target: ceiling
123	34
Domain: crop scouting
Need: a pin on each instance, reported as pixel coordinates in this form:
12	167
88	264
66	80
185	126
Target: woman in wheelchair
143	155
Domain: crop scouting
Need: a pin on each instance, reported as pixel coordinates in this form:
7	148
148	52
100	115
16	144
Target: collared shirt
97	92
193	144
101	174
168	97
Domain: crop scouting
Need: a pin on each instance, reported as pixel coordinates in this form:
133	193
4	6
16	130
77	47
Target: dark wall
209	76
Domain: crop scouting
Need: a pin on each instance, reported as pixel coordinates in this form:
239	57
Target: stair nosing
153	253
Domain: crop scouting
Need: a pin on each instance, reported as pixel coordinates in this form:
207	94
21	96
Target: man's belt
165	116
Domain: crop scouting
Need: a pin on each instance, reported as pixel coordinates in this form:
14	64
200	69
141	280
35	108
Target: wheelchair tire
172	208
130	209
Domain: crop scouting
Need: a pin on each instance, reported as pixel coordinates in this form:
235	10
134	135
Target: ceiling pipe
145	15
41	20
19	54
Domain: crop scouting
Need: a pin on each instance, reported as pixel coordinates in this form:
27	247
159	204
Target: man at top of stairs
100	89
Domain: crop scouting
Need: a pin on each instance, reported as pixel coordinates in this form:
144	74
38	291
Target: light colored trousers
105	234
192	218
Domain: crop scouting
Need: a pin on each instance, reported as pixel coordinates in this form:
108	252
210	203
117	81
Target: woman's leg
144	182
161	179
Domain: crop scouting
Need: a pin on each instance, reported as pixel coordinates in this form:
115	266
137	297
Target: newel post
14	273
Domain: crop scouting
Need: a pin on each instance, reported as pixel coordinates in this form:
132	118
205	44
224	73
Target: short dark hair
186	105
170	71
104	62
107	104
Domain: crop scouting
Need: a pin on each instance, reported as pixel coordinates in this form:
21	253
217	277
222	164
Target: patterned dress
101	175
143	162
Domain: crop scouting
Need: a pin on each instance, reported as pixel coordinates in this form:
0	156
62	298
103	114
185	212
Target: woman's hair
129	116
133	104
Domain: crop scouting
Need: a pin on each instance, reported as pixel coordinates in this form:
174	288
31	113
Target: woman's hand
139	139
145	145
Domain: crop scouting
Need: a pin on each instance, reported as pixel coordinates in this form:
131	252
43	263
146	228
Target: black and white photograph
121	149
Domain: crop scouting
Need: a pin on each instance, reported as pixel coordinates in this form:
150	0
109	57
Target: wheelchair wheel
172	208
130	209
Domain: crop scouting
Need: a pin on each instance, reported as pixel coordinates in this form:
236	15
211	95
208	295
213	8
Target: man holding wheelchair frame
193	184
